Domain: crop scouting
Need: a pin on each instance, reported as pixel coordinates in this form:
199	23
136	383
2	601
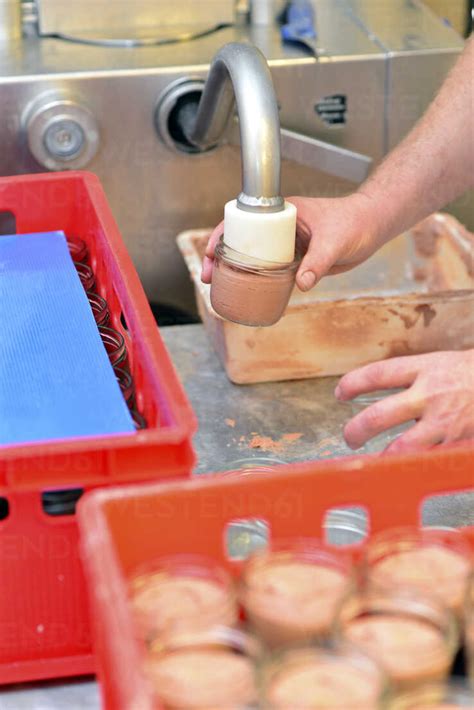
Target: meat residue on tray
266	443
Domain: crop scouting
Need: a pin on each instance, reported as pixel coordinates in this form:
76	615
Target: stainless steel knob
64	139
61	133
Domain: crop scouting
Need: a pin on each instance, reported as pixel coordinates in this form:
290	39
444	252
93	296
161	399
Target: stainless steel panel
455	12
156	192
38	56
421	50
10	19
404	25
410	93
106	18
360	80
338	35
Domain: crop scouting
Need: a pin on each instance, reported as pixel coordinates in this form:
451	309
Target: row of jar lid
404	612
80	256
112	339
227	669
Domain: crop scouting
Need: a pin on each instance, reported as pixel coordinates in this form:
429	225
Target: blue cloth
56	380
300	21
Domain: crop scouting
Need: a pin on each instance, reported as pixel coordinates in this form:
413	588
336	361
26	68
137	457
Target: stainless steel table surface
283	421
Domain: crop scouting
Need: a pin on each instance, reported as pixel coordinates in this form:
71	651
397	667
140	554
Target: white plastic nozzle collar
263	235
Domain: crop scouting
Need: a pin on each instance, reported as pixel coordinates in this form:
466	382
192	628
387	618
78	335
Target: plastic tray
121	529
414	295
44	619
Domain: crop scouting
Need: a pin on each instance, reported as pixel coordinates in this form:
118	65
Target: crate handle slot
60	501
123	322
7	222
453	509
4	508
242	536
344	526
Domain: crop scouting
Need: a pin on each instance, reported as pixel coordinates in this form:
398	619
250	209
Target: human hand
439	395
208	260
334	234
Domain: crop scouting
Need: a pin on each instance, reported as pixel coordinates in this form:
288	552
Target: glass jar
78	250
126	385
250	291
99	308
247	535
291	592
380	441
344	527
213	668
252	465
440	696
433	561
114	343
413	637
139	421
332	677
86	275
181	593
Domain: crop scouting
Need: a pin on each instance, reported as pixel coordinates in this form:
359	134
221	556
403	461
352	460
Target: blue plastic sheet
56	380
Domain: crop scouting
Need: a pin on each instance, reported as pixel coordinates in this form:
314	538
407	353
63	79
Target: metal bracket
329	158
319	155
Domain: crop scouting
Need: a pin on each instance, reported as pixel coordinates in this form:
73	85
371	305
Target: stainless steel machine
104	91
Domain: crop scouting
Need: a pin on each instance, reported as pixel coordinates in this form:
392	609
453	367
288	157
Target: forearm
434	164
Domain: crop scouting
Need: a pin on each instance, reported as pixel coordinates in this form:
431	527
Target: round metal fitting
174	113
61	133
260	204
64	139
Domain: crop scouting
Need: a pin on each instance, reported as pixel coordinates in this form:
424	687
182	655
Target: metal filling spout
239	74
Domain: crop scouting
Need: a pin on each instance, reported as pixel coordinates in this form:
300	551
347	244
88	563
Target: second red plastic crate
124	529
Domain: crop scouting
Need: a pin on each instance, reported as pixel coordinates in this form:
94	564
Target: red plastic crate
121	529
44	620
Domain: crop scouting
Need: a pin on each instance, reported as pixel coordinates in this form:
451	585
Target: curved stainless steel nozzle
240	72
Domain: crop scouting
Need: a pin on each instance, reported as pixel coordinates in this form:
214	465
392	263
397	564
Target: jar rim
309	551
251	263
166	568
77	248
400	603
398	540
111	336
251	465
182	564
338	652
229	637
452	690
